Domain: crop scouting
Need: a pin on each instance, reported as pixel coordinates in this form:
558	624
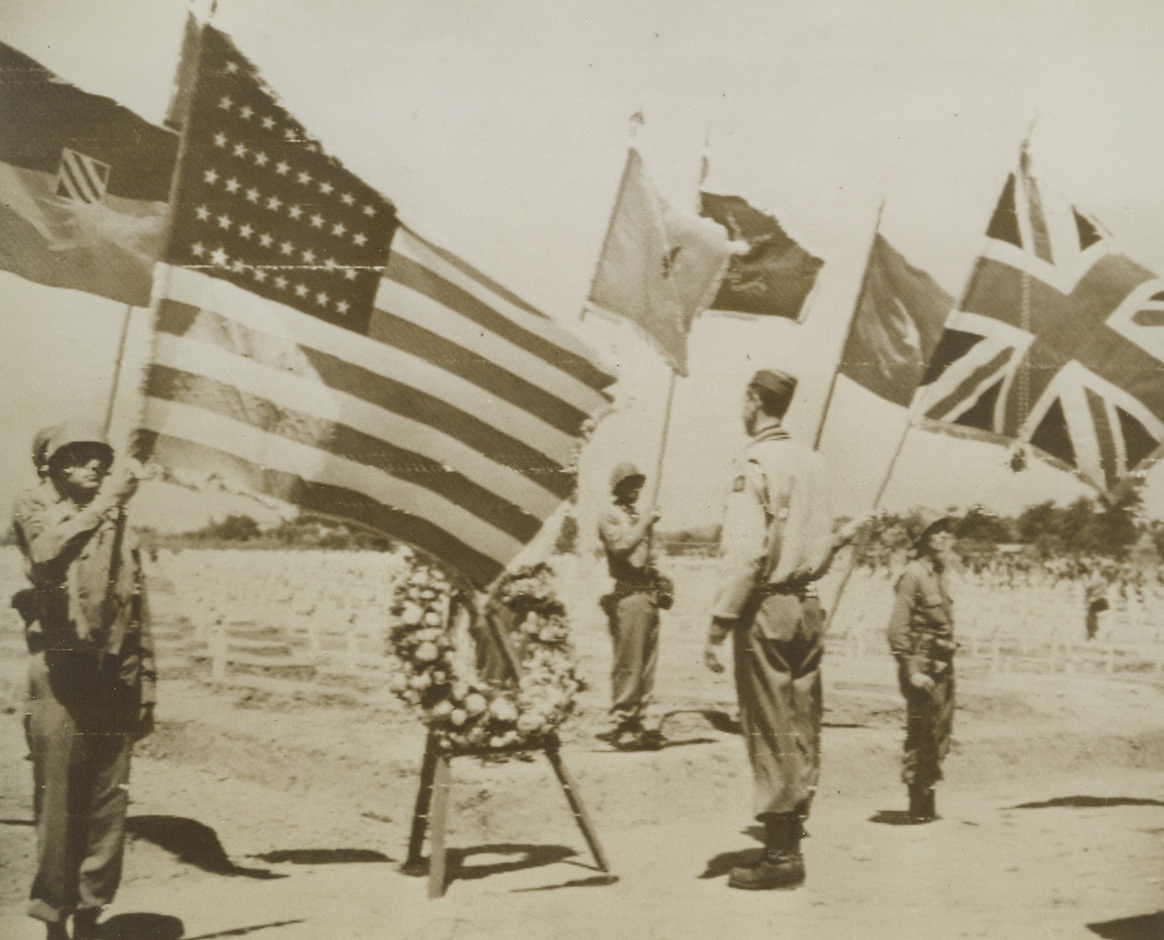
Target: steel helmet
622	473
78	431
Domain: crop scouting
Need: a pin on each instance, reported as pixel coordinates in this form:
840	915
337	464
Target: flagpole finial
1025	149
705	158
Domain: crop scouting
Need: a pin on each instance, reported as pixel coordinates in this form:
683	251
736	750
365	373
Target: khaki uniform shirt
778	524
68	550
921	627
627	543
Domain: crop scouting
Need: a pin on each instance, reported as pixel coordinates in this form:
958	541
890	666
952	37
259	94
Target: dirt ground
287	816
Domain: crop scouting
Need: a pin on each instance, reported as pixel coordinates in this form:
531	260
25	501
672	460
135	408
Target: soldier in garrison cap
921	637
632	611
777	540
91	672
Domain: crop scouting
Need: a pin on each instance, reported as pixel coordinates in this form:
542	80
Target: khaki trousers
778	651
634	630
929	726
80	731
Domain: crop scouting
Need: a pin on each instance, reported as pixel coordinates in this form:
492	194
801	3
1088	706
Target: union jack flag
1057	343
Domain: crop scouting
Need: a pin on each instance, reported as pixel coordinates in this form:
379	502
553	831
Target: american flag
1057	342
435	406
261	205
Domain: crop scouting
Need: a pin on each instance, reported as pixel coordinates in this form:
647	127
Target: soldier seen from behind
777	541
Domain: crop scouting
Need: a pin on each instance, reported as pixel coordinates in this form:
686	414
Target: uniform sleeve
46	541
743	541
900	640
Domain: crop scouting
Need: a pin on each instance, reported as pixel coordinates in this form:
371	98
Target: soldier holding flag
91	673
632	611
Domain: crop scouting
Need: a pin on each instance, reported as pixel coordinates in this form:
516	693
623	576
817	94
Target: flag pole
117	367
909	424
849	332
914	409
658	486
120	524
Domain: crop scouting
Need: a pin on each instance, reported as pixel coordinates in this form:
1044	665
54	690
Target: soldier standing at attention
91	673
632	611
777	540
921	636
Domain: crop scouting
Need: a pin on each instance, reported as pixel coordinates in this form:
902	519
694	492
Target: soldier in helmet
632	611
91	672
921	637
777	540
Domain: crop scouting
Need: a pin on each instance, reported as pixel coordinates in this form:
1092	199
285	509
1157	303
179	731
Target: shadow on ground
891	817
722	864
141	926
1143	927
192	842
598	881
721	721
524	857
323	856
1090	802
243	931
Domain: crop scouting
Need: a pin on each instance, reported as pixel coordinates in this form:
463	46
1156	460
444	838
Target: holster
652	582
937	652
24	602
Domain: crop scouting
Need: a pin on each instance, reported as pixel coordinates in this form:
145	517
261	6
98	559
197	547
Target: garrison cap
780	384
77	431
623	472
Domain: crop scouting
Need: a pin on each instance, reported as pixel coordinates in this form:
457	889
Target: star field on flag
261	205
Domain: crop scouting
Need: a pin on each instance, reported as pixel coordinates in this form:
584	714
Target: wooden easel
432	805
432	798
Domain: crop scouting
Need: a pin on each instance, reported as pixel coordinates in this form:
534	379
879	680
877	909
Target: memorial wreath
463	709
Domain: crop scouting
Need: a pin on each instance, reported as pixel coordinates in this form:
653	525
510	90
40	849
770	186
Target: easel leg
570	788
423	801
440	815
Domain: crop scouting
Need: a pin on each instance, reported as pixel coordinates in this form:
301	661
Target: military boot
922	805
781	865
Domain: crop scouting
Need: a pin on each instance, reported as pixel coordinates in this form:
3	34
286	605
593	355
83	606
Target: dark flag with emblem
659	267
421	400
84	185
895	327
1057	342
774	276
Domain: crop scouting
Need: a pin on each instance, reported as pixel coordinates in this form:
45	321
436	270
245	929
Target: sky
500	130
